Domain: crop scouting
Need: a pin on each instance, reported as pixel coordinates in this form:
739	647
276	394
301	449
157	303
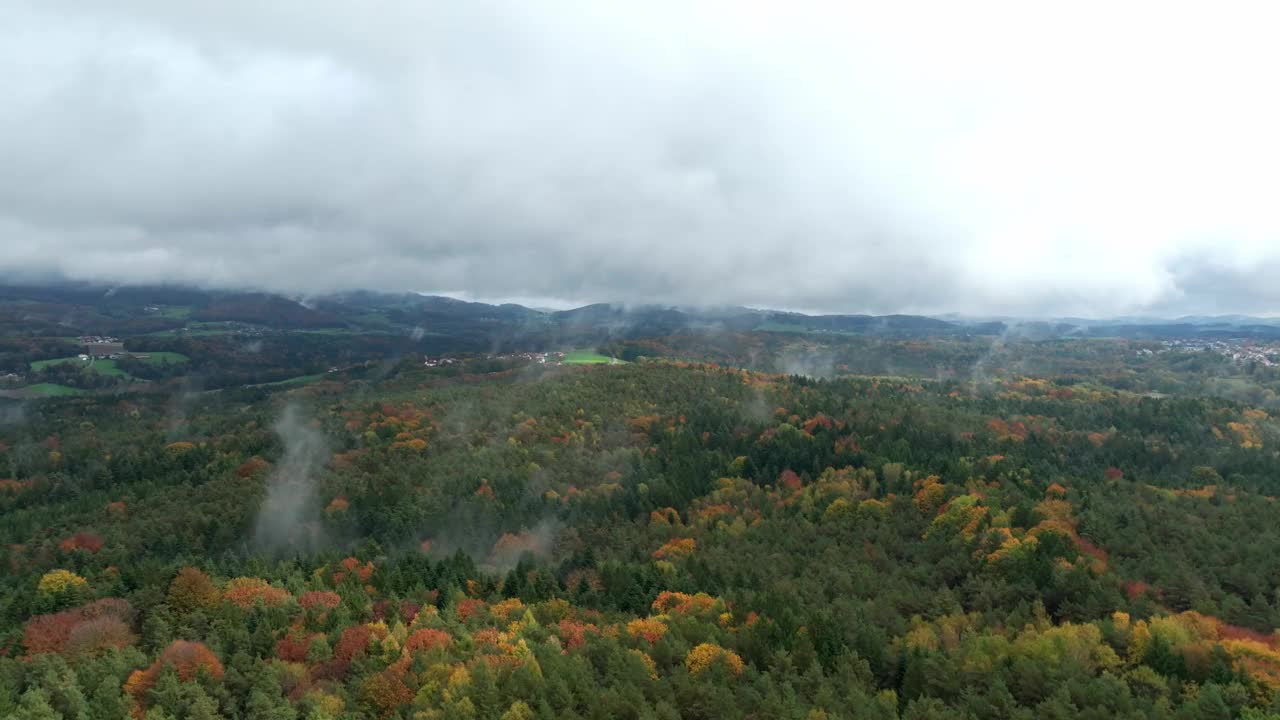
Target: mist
12	413
289	517
978	163
807	361
537	541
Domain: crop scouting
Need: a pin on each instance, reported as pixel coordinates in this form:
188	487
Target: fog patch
980	373
816	364
494	548
509	548
502	554
1000	356
289	517
175	417
756	408
476	426
13	414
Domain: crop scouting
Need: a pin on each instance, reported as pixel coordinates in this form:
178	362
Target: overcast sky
984	158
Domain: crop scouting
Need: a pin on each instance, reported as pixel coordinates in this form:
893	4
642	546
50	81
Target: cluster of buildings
535	357
1240	351
102	354
104	347
541	358
103	350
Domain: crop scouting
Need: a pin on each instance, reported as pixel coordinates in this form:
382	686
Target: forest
677	536
502	360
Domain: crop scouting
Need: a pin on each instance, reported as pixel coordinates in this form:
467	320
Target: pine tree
168	693
519	710
157	633
108	702
34	705
203	707
484	692
1209	704
462	709
266	699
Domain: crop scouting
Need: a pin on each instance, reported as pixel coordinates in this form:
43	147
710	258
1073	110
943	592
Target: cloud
997	158
1207	283
290	515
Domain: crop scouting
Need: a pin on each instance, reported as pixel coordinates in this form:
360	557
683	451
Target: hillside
558	541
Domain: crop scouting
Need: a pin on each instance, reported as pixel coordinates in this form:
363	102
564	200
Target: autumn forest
1050	529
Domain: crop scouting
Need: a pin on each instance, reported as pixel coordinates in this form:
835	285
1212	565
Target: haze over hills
91	308
558	360
392	505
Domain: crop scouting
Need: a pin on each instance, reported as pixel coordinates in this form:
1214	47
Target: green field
338	331
291	382
174	312
197	328
778	327
375	320
42	364
163	357
587	357
52	390
104	367
300	380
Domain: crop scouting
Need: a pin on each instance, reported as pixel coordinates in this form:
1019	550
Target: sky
985	158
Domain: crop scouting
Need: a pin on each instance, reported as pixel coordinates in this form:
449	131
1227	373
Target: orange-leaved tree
192	590
188	659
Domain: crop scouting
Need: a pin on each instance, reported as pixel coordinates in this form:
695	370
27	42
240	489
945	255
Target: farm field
176	312
165	357
104	367
52	390
587	357
291	382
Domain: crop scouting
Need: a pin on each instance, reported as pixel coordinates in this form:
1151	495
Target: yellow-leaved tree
703	657
59	582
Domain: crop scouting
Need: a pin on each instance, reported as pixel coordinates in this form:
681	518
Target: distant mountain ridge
71	308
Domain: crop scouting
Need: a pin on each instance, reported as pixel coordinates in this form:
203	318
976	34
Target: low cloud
289	517
12	413
824	158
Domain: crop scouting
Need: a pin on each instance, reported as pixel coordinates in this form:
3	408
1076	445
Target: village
104	347
1238	351
533	357
537	357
